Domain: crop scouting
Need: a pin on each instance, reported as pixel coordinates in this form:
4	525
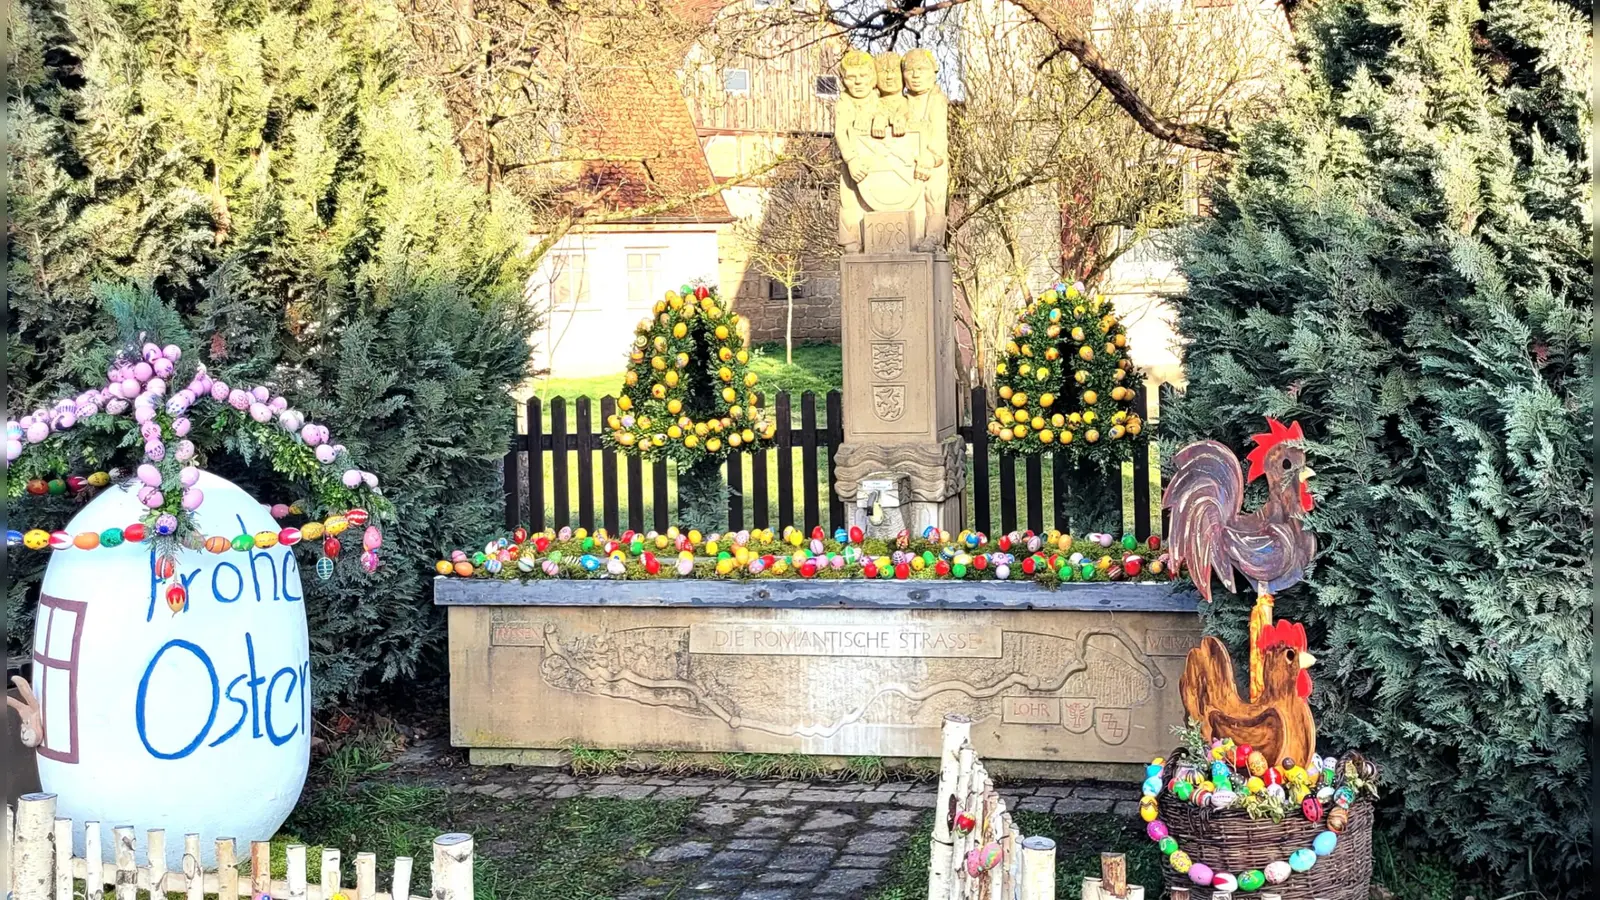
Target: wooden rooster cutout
1279	722
1209	532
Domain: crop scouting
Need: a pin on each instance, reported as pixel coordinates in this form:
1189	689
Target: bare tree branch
1067	24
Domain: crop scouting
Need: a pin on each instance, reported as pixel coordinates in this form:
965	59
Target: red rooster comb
1276	434
1291	635
1284	634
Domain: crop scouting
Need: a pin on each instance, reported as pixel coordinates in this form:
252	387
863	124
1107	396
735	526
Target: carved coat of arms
889	401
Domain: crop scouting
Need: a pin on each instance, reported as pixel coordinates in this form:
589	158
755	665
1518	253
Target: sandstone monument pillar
900	450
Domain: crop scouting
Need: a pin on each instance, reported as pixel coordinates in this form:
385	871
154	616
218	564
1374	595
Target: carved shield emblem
889	401
888	359
1113	725
886	316
891	164
1077	714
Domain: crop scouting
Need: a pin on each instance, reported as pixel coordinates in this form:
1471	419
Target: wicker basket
1230	841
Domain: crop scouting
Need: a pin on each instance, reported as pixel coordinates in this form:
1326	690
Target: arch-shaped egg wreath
89	430
688	393
1067	382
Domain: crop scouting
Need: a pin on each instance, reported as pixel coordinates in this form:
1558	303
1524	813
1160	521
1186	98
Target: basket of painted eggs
1232	824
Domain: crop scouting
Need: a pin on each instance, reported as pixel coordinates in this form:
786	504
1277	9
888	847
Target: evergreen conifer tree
1400	261
270	170
689	396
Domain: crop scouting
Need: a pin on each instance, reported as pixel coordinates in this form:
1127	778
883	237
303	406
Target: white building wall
617	277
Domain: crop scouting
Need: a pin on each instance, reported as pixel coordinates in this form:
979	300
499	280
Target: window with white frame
569	280
828	87
644	275
736	81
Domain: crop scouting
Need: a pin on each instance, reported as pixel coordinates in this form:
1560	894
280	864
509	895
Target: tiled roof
638	112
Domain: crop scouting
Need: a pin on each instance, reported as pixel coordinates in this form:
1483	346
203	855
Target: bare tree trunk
788	328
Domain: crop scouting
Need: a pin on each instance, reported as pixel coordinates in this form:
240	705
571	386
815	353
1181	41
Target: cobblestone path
781	840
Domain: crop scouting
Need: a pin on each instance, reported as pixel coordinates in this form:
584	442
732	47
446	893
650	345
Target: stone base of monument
1085	674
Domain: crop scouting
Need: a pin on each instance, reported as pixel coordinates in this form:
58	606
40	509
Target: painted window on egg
55	676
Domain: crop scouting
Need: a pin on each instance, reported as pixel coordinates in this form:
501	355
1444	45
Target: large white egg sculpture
192	722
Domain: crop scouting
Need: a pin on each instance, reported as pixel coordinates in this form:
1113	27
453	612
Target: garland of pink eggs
141	387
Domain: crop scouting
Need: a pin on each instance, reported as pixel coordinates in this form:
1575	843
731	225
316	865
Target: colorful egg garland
1225	755
936	554
289	536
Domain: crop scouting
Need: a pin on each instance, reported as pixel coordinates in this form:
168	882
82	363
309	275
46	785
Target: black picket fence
557	466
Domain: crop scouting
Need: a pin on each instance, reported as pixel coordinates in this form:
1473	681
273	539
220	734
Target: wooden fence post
295	856
7	833
965	770
328	880
63	862
400	884
1114	874
260	867
33	877
193	869
957	729
155	849
1038	868
452	867
127	879
366	876
227	869
94	862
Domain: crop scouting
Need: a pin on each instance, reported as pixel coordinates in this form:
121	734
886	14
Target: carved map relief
817	680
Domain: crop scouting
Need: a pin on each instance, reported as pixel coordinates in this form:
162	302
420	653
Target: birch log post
1038	868
260	867
1114	875
1012	882
35	857
295	856
155	850
400	884
328	880
193	870
127	874
967	768
9	830
228	870
94	876
63	859
957	729
366	876
452	867
989	886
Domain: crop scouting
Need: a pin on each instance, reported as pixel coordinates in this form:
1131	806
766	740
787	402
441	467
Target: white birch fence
42	866
978	853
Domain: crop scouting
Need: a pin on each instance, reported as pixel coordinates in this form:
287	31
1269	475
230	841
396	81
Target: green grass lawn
819	368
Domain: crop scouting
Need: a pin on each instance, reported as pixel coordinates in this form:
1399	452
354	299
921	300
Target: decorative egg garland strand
955	559
289	536
1221	797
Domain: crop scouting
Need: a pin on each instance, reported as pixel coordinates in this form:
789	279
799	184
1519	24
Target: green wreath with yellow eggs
688	394
1067	383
